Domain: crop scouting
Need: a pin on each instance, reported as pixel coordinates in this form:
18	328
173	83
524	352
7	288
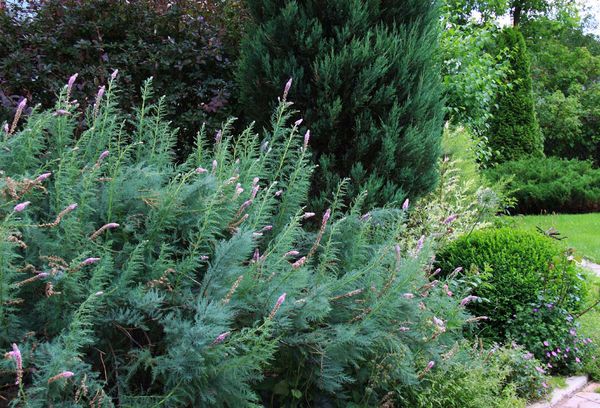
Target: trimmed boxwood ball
511	268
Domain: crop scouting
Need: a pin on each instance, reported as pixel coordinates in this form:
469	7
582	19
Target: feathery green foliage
129	280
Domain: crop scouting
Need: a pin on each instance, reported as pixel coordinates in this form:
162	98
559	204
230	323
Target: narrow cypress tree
514	129
366	79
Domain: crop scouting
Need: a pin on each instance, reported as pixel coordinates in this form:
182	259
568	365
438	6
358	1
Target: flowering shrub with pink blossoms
127	279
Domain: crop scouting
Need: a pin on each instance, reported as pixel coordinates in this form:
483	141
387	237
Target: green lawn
582	231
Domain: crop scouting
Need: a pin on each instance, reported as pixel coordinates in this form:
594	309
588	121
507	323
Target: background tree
565	72
365	74
519	10
514	130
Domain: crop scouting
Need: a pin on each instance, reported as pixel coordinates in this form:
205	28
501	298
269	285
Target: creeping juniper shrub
129	280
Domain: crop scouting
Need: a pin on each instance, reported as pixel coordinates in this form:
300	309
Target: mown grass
581	231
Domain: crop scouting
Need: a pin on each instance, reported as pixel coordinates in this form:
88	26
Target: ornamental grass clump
131	280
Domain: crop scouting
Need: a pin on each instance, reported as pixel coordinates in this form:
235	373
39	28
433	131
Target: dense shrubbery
566	70
129	280
493	378
463	199
514	130
550	332
365	75
525	372
512	269
178	45
551	184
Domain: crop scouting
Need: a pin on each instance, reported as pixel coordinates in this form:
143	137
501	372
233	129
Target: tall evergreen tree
365	74
514	130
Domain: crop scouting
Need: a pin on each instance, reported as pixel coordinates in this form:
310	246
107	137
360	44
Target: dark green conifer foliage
514	131
364	73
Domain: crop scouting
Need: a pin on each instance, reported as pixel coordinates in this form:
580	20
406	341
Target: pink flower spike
98	99
204	258
540	370
61	112
6	128
221	337
218	137
430	365
286	90
408	296
544	385
21	206
103	155
71	82
420	244
306	139
278	304
468	300
71	207
298	122
214	166
577	359
278	193
299	263
99	293
100	93
292	253
546	343
64	374
450	219
245	205
267	228
89	261
254	191
114	74
43	177
405	204
201	170
308	215
22	104
15	354
326	216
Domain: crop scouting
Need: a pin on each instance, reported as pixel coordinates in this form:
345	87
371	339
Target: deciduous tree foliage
365	74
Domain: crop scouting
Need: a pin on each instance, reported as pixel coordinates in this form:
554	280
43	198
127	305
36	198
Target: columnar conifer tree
364	74
514	130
